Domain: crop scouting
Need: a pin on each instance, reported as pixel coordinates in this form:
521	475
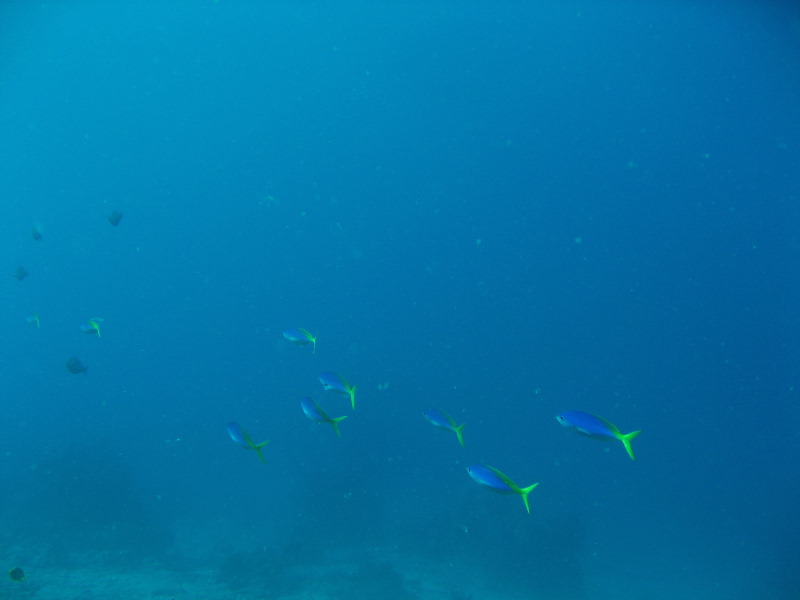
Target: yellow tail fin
460	434
258	448
335	424
524	493
626	440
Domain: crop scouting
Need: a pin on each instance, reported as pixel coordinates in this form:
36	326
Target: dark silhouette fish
75	366
114	218
21	273
16	574
36	233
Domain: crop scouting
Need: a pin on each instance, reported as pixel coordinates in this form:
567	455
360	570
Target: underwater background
501	210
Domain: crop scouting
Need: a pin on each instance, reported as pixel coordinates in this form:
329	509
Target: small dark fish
75	366
36	233
16	574
114	218
21	273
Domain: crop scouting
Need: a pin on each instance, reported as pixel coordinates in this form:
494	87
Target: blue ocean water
500	210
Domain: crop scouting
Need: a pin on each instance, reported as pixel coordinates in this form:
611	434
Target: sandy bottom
378	574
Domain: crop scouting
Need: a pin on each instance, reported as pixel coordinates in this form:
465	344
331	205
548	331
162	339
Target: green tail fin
335	424
352	391
524	493
258	448
312	339
626	439
460	434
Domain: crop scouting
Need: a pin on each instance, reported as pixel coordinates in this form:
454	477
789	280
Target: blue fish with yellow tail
597	428
92	326
315	413
491	478
241	437
301	337
332	382
439	418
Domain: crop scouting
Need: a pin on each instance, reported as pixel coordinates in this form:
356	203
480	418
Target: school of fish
489	477
493	479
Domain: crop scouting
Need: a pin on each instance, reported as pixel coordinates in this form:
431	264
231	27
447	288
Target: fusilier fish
439	418
314	412
332	382
494	480
596	428
92	326
241	437
301	337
